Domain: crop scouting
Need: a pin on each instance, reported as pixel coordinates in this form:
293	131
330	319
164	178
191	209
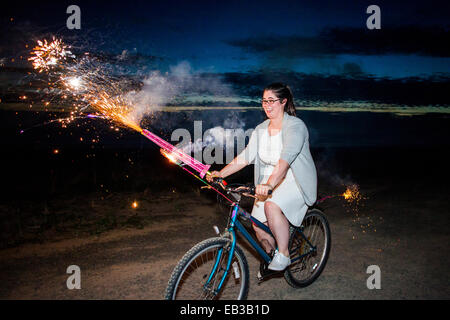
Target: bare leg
279	225
267	242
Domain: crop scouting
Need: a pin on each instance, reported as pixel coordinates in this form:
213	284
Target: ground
401	227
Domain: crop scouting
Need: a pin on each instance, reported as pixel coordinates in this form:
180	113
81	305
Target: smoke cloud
183	85
180	85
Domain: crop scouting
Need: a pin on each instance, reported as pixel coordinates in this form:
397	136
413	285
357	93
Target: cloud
351	85
425	41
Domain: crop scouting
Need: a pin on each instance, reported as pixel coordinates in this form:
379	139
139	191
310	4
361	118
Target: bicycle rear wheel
308	257
189	280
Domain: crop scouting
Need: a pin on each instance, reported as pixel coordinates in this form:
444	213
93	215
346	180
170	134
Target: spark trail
88	83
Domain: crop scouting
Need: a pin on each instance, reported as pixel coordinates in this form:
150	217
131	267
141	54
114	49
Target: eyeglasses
269	102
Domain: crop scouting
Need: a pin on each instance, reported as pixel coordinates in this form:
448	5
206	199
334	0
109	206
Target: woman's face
273	106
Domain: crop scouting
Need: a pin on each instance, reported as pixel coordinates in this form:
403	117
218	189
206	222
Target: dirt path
407	242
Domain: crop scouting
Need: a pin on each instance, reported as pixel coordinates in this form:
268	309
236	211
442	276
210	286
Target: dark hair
282	91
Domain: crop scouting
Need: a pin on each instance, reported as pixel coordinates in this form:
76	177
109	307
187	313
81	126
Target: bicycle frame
235	223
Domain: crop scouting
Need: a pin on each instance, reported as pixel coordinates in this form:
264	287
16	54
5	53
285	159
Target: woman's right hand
214	174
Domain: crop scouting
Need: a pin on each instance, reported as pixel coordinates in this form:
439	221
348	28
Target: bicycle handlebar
249	189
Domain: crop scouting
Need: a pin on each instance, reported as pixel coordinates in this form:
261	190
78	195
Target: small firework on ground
353	195
354	204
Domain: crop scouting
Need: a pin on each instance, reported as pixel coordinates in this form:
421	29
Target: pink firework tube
177	153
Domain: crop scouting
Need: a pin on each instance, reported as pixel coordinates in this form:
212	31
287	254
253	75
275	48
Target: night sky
321	48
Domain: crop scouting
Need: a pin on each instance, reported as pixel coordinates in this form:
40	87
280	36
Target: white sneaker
279	262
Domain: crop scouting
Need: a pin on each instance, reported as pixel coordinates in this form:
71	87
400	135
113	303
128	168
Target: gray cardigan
295	152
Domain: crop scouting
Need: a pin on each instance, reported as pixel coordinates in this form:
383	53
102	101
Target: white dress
287	194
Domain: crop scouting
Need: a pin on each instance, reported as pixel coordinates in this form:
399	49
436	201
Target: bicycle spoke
308	246
205	271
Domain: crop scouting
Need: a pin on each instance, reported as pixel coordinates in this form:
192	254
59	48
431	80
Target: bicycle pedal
260	278
264	272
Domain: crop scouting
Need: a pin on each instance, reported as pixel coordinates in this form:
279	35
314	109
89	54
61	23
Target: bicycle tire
176	287
312	269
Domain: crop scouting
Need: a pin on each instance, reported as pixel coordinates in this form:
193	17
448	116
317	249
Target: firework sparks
46	55
352	193
75	83
177	153
114	108
354	203
86	82
89	84
169	156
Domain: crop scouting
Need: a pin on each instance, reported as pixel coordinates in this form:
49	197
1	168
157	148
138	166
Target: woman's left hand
262	190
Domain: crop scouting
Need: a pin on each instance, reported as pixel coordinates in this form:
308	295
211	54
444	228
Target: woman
279	148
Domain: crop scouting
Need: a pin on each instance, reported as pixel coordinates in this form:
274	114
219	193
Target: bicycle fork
216	267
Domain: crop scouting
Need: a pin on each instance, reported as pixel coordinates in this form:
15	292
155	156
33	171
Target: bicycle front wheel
200	272
309	247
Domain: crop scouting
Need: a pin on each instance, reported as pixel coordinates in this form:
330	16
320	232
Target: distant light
134	205
56	151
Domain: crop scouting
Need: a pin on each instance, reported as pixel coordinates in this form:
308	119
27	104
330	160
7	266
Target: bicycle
217	268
